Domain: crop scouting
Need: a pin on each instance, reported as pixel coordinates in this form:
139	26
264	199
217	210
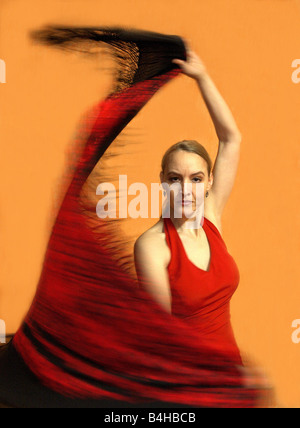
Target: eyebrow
177	173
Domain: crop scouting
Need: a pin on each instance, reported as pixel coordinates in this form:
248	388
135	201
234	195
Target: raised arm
226	164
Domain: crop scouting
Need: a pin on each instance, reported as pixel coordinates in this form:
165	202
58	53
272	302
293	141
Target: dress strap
173	242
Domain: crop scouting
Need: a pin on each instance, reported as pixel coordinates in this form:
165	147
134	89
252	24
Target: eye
198	178
174	178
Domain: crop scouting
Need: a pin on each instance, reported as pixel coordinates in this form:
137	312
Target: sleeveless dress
91	338
202	298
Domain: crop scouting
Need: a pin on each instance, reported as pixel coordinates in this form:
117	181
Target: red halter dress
202	298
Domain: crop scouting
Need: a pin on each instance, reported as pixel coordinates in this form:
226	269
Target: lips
184	201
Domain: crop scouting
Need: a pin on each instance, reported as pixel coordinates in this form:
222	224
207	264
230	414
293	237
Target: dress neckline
184	251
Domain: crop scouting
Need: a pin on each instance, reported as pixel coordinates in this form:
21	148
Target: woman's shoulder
211	214
153	240
154	234
214	222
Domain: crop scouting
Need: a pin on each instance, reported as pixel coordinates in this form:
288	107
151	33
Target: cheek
199	191
176	191
200	187
172	196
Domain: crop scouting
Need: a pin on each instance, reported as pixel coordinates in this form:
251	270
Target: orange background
248	47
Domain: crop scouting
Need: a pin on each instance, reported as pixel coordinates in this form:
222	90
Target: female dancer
92	338
189	271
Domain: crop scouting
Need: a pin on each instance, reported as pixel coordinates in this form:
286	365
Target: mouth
184	203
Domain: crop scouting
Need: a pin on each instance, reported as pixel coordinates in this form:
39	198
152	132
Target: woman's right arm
151	267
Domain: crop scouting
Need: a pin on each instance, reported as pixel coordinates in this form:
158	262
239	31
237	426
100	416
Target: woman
189	270
91	338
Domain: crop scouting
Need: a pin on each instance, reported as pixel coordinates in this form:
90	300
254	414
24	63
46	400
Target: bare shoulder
211	212
153	243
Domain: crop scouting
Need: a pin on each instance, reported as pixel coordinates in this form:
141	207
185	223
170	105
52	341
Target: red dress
202	298
91	334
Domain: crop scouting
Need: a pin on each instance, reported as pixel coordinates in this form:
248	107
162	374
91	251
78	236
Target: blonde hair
190	146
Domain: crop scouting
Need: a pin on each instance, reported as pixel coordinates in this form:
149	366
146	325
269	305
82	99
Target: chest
197	251
202	273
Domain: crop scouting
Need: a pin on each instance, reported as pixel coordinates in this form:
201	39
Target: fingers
178	61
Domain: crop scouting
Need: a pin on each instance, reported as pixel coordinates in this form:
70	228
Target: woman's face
187	168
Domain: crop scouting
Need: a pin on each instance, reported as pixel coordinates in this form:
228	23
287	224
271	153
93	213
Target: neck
188	226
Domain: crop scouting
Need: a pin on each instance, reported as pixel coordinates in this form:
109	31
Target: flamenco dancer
189	270
93	337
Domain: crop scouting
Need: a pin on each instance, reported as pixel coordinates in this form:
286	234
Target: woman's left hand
193	66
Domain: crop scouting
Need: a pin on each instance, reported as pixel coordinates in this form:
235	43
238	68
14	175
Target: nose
186	190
